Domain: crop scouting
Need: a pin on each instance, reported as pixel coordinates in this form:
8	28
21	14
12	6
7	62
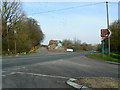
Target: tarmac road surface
52	71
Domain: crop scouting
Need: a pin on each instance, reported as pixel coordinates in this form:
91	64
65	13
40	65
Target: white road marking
43	75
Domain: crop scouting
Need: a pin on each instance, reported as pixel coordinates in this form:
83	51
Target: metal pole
8	40
103	47
108	27
15	46
15	40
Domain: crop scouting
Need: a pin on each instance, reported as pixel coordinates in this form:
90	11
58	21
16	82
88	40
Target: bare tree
12	15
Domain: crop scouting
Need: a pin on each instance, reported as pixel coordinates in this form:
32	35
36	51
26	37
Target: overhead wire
68	8
113	3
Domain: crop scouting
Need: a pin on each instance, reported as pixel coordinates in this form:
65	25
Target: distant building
54	44
51	42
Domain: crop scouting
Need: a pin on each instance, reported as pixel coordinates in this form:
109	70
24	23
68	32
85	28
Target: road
52	71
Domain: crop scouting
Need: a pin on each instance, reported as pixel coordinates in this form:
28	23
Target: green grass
18	54
8	55
114	57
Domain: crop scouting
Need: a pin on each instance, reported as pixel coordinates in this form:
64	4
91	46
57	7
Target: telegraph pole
108	27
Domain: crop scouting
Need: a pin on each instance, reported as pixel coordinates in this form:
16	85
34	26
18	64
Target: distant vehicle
95	51
69	50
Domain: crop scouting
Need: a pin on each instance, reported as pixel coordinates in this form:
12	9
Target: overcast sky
83	23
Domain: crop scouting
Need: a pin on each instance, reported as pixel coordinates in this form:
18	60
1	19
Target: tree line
77	46
17	27
115	36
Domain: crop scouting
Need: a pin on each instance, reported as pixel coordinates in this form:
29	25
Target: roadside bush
77	46
67	44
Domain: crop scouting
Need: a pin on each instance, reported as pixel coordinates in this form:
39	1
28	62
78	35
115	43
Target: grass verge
98	82
113	58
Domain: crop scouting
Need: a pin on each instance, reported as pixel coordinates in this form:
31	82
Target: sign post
103	45
105	33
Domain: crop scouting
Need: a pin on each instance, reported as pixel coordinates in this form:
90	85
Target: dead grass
99	82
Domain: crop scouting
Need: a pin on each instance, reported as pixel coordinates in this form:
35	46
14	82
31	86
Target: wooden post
108	27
